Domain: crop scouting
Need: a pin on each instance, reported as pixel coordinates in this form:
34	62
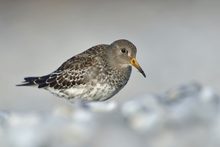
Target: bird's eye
123	50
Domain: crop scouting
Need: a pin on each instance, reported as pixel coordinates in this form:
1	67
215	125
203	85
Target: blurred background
177	41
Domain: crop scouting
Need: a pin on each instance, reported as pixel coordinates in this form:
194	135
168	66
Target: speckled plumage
92	75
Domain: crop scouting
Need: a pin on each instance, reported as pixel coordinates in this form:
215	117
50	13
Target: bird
96	74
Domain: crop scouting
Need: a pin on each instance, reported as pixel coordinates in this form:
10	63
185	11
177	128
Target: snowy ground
186	116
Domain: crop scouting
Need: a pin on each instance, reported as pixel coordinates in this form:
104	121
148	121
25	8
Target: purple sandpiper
96	74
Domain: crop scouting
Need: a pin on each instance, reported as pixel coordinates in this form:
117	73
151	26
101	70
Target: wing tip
28	81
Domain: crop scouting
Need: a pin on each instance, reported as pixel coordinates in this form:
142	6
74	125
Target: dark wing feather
78	70
75	71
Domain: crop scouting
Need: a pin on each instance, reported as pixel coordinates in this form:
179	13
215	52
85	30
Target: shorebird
96	74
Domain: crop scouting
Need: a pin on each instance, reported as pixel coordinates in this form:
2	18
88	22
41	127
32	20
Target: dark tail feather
29	81
35	81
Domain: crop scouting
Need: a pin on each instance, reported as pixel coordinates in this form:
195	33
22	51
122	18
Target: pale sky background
178	41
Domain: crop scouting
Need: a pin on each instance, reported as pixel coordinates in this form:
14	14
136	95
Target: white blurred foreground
187	116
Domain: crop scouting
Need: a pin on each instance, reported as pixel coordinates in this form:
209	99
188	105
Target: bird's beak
134	62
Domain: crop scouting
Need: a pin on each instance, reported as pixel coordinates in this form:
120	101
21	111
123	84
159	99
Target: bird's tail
35	81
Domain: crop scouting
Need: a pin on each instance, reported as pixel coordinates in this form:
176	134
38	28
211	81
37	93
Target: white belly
98	92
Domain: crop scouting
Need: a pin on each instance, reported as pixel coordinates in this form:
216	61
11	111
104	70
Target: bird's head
124	54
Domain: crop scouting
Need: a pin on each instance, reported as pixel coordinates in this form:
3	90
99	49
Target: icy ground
186	116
